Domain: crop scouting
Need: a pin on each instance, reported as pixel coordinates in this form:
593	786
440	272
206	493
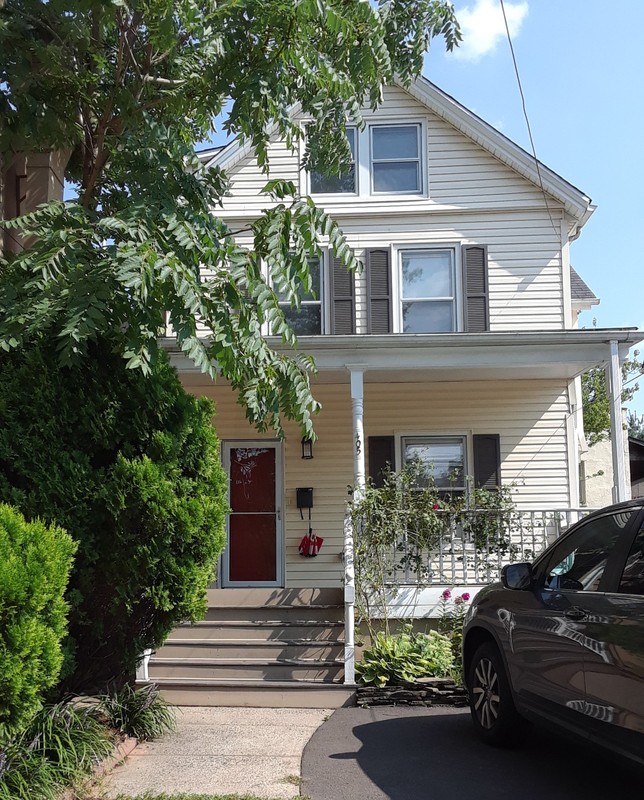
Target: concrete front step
218	598
258	647
268	630
251	648
219	669
288	613
257	694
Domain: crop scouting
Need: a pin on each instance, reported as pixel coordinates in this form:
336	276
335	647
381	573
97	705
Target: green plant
141	712
35	560
394	660
451	619
129	466
60	746
401	526
395	525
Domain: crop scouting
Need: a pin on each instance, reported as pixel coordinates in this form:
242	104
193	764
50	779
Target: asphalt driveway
432	754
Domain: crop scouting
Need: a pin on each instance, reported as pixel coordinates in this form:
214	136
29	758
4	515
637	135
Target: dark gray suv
562	639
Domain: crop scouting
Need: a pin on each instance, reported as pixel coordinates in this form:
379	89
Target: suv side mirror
517	576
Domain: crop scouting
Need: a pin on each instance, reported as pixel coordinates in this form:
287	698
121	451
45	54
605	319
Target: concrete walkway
382	753
254	751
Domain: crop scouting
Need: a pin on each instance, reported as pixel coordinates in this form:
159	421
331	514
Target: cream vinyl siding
524	259
460	172
473	199
247	180
530	417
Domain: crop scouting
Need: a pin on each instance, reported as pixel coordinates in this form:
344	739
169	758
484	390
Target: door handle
575	613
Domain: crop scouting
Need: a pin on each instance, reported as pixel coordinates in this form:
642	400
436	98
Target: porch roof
456	356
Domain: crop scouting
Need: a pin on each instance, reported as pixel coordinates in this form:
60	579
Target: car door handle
575	613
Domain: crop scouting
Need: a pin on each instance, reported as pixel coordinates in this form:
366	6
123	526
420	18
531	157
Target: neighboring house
636	454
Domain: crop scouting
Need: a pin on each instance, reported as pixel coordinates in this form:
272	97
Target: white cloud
483	27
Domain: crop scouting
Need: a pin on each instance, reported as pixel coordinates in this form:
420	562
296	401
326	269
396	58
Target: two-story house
456	345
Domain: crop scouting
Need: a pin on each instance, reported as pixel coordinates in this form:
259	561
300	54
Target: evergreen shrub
129	465
35	560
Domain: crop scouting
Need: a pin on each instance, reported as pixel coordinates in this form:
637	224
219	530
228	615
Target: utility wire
527	121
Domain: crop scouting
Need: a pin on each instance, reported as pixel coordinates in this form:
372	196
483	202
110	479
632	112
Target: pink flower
458	601
465	596
446	594
435	506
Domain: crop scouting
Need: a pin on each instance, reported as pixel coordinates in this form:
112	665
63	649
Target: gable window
441	460
338	184
395	159
428	291
307	319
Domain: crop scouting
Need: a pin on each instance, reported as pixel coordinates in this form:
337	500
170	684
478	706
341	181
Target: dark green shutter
476	315
382	454
487	460
343	298
379	306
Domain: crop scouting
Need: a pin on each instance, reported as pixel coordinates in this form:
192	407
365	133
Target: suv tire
495	717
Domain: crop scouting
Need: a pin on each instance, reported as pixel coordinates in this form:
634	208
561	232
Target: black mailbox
304	498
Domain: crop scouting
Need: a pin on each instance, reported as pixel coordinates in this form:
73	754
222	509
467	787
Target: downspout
359	481
621	490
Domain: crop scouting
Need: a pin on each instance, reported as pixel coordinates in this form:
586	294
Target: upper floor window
428	291
307	319
338	184
395	159
386	159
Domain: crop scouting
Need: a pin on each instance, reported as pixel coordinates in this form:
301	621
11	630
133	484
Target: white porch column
357	407
621	490
359	479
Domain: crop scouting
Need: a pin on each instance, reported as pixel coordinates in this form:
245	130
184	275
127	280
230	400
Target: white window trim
466	436
363	166
324	300
396	283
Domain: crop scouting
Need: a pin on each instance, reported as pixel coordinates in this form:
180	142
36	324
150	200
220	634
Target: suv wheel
495	718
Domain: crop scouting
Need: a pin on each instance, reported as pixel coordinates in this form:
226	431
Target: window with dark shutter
476	316
343	298
382	456
487	460
379	308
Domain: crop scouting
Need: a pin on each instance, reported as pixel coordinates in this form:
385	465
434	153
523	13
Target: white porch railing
474	545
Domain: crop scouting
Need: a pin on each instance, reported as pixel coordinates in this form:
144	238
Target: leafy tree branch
129	88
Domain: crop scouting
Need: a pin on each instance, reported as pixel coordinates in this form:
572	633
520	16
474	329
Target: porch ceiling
520	355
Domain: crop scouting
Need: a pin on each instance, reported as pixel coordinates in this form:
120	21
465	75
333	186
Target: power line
527	121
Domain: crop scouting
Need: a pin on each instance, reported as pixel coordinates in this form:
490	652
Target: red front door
253	555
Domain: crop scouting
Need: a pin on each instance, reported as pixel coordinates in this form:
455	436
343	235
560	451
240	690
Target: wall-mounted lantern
307	448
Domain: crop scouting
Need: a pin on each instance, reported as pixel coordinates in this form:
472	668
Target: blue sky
581	64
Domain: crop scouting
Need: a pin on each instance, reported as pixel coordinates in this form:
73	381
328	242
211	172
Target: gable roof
575	202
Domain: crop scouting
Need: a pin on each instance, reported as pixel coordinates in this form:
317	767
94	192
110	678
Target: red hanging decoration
310	544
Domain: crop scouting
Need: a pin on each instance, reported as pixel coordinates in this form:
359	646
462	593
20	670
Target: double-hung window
338	184
396	166
307	319
441	460
428	291
386	159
